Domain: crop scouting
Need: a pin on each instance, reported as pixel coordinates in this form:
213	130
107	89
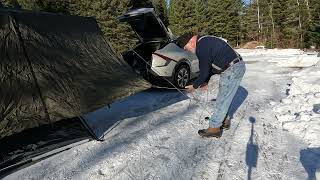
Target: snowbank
299	112
300	61
275	52
294	58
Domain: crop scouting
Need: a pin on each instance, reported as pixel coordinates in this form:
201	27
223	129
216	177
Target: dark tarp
55	67
37	143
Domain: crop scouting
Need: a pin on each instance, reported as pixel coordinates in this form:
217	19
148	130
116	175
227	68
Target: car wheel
182	76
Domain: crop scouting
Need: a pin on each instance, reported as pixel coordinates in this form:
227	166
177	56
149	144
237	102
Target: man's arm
205	67
211	73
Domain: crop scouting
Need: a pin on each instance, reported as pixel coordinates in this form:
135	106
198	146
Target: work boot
225	123
210	132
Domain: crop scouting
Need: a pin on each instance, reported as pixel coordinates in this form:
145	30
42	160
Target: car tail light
164	57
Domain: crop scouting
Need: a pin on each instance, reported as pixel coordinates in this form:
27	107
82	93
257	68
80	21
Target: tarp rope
179	90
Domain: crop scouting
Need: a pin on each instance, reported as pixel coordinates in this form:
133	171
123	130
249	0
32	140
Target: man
215	57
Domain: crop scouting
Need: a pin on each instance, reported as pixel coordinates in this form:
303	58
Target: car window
147	27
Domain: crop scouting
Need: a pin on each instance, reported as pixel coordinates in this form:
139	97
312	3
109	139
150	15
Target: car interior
145	51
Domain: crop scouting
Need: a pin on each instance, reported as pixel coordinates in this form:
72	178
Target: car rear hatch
146	24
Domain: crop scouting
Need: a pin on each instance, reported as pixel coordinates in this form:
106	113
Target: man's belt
236	60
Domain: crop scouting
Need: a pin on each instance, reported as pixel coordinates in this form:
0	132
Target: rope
169	88
171	82
194	97
200	118
204	107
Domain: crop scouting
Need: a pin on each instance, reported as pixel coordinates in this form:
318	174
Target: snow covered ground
275	131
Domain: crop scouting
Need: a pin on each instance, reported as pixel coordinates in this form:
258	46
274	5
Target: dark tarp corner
54	67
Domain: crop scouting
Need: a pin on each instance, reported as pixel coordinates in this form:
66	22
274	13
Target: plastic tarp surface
41	142
55	67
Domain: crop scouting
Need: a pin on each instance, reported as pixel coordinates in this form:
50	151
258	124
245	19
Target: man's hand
190	89
204	87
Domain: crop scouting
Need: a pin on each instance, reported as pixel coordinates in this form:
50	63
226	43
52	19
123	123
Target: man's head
188	42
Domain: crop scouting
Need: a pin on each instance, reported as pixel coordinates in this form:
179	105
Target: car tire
181	76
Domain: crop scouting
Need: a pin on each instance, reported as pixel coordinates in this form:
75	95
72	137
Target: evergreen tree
40	5
201	16
270	39
10	3
224	19
287	23
275	23
258	21
161	10
182	16
250	23
61	6
291	30
119	34
279	23
140	3
312	37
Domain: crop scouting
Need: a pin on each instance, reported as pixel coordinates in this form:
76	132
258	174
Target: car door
146	24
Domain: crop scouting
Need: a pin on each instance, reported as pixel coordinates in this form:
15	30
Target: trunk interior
145	50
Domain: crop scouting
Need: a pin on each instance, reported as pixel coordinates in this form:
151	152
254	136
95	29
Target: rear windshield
148	27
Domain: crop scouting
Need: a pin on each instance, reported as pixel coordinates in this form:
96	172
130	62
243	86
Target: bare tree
259	24
308	9
300	25
270	4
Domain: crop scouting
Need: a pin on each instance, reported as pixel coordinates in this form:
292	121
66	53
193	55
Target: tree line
283	23
274	23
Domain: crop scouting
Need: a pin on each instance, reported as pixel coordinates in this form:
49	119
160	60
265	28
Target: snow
274	132
298	112
299	61
266	52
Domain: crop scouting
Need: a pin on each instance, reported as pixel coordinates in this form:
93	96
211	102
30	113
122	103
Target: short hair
184	39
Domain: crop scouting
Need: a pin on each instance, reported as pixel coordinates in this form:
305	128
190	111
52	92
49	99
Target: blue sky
246	1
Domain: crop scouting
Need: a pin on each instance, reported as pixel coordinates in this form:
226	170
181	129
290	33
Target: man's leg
228	86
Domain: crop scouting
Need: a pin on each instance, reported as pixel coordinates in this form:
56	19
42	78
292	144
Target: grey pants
229	83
